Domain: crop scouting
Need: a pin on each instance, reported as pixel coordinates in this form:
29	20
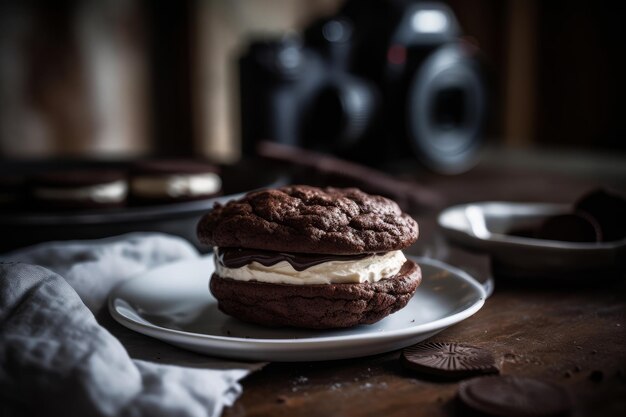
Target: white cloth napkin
57	359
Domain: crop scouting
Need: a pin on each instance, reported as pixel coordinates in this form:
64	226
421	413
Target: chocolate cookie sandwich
172	181
78	190
307	257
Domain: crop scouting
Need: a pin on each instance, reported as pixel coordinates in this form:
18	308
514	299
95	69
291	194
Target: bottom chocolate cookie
323	306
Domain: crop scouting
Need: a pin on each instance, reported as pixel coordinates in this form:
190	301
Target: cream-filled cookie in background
78	190
170	181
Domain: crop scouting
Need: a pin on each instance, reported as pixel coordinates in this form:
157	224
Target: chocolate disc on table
450	360
513	396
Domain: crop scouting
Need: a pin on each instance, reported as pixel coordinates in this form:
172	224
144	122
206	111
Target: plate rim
435	325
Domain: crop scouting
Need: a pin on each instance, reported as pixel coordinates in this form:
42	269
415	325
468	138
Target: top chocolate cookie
307	219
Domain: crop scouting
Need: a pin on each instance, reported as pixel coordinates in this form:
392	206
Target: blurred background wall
74	78
125	78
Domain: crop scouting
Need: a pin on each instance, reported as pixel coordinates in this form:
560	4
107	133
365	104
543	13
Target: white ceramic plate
484	226
173	304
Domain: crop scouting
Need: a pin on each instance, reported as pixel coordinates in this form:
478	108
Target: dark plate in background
25	227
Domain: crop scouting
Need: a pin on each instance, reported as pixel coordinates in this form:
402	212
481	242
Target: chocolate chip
513	396
450	360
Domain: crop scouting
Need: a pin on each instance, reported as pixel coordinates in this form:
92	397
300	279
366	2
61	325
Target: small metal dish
486	226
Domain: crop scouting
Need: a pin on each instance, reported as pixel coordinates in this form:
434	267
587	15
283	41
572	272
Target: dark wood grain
573	335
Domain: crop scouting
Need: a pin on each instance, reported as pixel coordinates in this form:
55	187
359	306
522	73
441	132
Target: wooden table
573	335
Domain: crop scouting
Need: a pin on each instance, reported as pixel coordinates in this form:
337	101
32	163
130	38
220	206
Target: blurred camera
379	82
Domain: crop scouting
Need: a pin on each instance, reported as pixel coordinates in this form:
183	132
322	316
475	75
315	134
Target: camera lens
288	58
448	108
445	110
339	115
281	59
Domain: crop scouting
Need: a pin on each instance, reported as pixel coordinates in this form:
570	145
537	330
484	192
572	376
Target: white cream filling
113	192
180	185
370	269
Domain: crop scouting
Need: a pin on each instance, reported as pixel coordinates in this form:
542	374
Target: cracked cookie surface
307	219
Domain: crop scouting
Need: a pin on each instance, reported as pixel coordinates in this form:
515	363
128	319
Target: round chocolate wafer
448	360
513	396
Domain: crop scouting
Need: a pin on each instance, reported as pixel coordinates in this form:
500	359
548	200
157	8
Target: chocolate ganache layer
239	257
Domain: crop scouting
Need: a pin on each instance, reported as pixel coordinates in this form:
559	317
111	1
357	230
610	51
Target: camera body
380	82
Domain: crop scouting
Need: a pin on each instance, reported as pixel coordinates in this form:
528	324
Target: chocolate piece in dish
608	209
596	217
171	181
307	257
448	360
78	190
512	396
574	227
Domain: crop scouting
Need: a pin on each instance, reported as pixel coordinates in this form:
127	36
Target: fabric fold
57	359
